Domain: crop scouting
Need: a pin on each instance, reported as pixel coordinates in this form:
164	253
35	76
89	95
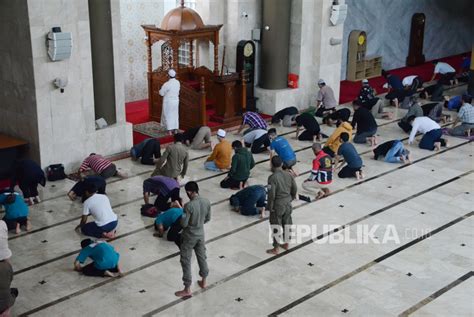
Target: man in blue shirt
148	150
250	201
280	146
351	157
79	188
16	211
105	260
396	92
170	219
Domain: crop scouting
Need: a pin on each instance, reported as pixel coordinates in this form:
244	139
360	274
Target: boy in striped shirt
100	165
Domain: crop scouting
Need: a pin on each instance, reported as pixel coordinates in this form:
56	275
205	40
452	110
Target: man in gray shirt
174	161
197	212
281	191
326	102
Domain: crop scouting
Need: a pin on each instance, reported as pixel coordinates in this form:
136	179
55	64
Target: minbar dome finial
182	19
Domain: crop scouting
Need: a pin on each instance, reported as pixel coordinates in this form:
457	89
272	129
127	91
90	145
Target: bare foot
17	229
110	274
285	246
273	251
437	146
28	225
320	195
358	177
183	293
37	200
446	143
109	235
202	283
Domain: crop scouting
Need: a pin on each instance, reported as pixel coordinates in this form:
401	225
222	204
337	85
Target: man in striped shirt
253	120
100	166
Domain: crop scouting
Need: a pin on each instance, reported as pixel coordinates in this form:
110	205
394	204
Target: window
183	51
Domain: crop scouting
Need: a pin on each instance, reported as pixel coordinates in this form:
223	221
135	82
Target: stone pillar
311	57
66	121
100	20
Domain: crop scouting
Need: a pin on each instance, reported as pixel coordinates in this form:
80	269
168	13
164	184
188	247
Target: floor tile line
199	180
436	294
42	307
151	170
302	245
369	264
245	226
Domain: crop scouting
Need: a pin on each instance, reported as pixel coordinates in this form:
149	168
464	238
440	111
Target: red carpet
137	112
350	90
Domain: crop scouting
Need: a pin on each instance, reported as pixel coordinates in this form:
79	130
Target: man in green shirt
242	163
281	191
197	212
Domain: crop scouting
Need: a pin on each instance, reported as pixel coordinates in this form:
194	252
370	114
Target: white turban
172	73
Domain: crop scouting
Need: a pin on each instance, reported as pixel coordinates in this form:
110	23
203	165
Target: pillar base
271	101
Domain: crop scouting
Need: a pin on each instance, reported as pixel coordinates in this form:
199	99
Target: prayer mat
152	128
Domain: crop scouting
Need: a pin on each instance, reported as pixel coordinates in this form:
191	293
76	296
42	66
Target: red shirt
322	169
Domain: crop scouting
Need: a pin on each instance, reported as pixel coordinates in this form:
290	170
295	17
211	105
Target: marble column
311	57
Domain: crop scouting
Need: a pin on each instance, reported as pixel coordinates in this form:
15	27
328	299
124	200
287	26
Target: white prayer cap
5	252
172	73
365	81
221	133
321	81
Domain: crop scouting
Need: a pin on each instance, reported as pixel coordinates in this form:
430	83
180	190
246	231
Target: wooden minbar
202	91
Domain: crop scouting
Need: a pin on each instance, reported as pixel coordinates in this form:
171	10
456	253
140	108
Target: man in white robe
170	111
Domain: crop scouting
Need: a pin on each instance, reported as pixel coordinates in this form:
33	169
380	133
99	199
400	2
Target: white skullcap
365	81
172	73
221	133
321	81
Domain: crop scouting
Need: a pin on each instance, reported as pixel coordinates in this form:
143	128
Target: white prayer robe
170	111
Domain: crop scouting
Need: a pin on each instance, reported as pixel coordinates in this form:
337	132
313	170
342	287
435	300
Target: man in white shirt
431	131
257	140
105	220
413	83
447	73
170	112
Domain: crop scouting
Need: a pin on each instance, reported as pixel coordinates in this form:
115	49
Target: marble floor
425	272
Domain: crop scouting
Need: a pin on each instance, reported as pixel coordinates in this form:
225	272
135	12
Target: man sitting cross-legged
105	260
220	157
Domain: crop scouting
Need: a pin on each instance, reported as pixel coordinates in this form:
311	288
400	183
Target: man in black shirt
338	116
364	122
311	127
198	138
286	112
